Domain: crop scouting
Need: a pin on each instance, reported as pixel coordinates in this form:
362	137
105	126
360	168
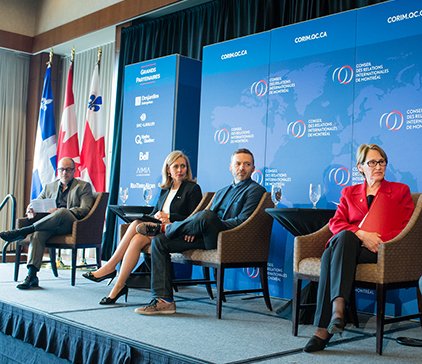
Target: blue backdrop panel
233	115
233	106
310	105
309	121
388	103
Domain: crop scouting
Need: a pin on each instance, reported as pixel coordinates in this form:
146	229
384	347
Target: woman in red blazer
352	244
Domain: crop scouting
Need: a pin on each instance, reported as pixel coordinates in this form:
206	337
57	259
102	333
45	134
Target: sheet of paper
43	204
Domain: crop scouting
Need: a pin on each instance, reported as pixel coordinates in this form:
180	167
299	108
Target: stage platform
68	322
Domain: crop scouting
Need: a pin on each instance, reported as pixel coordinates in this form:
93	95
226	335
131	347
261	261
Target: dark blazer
353	206
79	199
242	204
184	202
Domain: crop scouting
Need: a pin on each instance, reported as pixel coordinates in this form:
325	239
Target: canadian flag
68	143
93	168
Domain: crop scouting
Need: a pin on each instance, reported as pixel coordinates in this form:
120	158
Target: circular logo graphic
340	176
343	75
143	116
296	129
258	176
259	88
251	272
222	136
392	120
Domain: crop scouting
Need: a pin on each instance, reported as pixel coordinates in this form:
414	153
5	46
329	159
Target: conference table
130	213
300	221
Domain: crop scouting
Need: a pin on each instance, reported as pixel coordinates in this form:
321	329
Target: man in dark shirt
74	200
231	206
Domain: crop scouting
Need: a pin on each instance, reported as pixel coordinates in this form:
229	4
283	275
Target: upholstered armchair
399	265
246	245
86	233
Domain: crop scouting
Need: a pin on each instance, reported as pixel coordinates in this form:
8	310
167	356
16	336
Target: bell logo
143	156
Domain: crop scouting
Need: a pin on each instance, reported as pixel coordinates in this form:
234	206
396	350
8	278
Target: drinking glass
124	194
314	193
276	193
147	194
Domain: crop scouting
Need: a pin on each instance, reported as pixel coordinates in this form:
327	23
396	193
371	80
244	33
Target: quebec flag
45	160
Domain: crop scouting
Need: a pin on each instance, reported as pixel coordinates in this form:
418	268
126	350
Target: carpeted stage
69	323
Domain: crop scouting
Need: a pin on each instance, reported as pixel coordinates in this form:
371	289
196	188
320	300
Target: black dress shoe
148	228
112	301
316	344
91	277
409	341
13	235
336	326
28	282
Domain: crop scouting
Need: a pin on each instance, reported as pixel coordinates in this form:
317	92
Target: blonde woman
178	198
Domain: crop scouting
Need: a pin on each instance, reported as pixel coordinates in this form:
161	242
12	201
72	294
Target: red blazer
353	207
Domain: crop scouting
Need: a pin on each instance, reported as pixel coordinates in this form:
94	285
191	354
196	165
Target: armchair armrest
310	246
404	251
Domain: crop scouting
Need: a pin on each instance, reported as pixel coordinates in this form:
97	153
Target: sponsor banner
148	114
233	107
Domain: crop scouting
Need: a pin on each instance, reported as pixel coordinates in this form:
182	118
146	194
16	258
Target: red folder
385	217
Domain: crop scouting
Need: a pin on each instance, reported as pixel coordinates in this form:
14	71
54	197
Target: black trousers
205	224
338	268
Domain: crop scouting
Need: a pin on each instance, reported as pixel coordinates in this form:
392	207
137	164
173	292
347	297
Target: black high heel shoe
112	301
91	277
336	326
316	344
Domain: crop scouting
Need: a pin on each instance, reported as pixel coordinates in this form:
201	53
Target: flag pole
50	57
99	54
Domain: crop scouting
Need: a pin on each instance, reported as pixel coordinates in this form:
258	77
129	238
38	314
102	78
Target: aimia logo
393	120
259	88
296	129
339	175
343	75
222	136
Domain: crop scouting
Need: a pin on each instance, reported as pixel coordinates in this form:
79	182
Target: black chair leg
297	289
53	261
98	256
206	273
353	309
380	316
264	284
220	290
73	266
17	260
419	298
